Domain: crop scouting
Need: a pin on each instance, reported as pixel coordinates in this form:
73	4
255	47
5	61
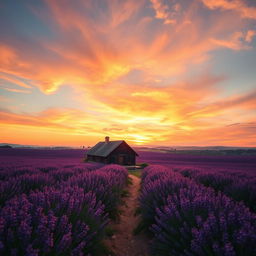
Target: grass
125	193
143	165
129	181
136	173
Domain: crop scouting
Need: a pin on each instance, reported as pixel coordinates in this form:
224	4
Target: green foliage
136	173
129	180
125	193
143	165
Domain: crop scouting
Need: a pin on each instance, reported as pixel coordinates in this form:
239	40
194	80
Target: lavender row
11	170
23	184
245	164
187	218
107	183
238	187
24	180
67	220
52	222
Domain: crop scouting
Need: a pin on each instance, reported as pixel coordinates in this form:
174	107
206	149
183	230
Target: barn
112	152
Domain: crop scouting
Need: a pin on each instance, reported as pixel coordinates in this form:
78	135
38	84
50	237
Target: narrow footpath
123	242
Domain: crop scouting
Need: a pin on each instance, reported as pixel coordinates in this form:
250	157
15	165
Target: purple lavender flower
189	219
66	220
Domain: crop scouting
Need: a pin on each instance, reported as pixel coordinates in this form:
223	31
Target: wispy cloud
15	90
247	101
140	69
165	12
237	41
92	52
157	114
250	35
238	6
13	80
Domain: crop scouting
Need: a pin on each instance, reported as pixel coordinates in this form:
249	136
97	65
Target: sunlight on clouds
138	139
236	41
250	35
163	12
141	71
238	6
84	54
15	90
135	120
14	80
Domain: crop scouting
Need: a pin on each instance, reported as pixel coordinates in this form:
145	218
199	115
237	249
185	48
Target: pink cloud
88	53
94	49
237	41
164	12
15	90
250	35
238	6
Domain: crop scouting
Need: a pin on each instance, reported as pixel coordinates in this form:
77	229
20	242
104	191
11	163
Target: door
121	159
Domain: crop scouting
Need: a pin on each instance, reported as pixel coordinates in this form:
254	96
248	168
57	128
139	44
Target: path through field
123	242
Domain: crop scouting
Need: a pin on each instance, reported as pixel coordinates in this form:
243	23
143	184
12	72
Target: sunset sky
151	72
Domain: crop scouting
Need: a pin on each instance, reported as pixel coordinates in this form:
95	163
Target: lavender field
187	218
52	203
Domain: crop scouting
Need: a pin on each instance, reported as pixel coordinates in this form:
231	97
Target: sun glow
149	72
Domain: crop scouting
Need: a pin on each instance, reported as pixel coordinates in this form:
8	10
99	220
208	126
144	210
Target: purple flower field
52	203
187	218
245	164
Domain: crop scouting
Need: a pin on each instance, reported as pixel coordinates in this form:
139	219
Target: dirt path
123	242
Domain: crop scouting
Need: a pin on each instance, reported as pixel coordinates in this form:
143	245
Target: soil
123	242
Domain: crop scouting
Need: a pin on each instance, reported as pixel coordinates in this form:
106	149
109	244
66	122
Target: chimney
106	139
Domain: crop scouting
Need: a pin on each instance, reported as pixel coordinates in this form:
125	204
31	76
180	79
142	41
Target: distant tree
5	146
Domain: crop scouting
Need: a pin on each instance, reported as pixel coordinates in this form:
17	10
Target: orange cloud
130	68
143	116
238	6
250	35
86	53
163	11
242	134
170	123
236	41
247	101
14	81
15	90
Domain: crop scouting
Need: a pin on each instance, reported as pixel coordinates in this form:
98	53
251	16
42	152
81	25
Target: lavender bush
107	183
241	188
190	219
23	184
52	222
18	180
9	172
157	183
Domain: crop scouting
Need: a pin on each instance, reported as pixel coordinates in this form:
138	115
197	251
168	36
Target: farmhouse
112	152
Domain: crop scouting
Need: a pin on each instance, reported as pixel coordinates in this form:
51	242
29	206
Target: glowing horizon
151	72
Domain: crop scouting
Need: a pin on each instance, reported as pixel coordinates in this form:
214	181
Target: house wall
122	155
97	159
